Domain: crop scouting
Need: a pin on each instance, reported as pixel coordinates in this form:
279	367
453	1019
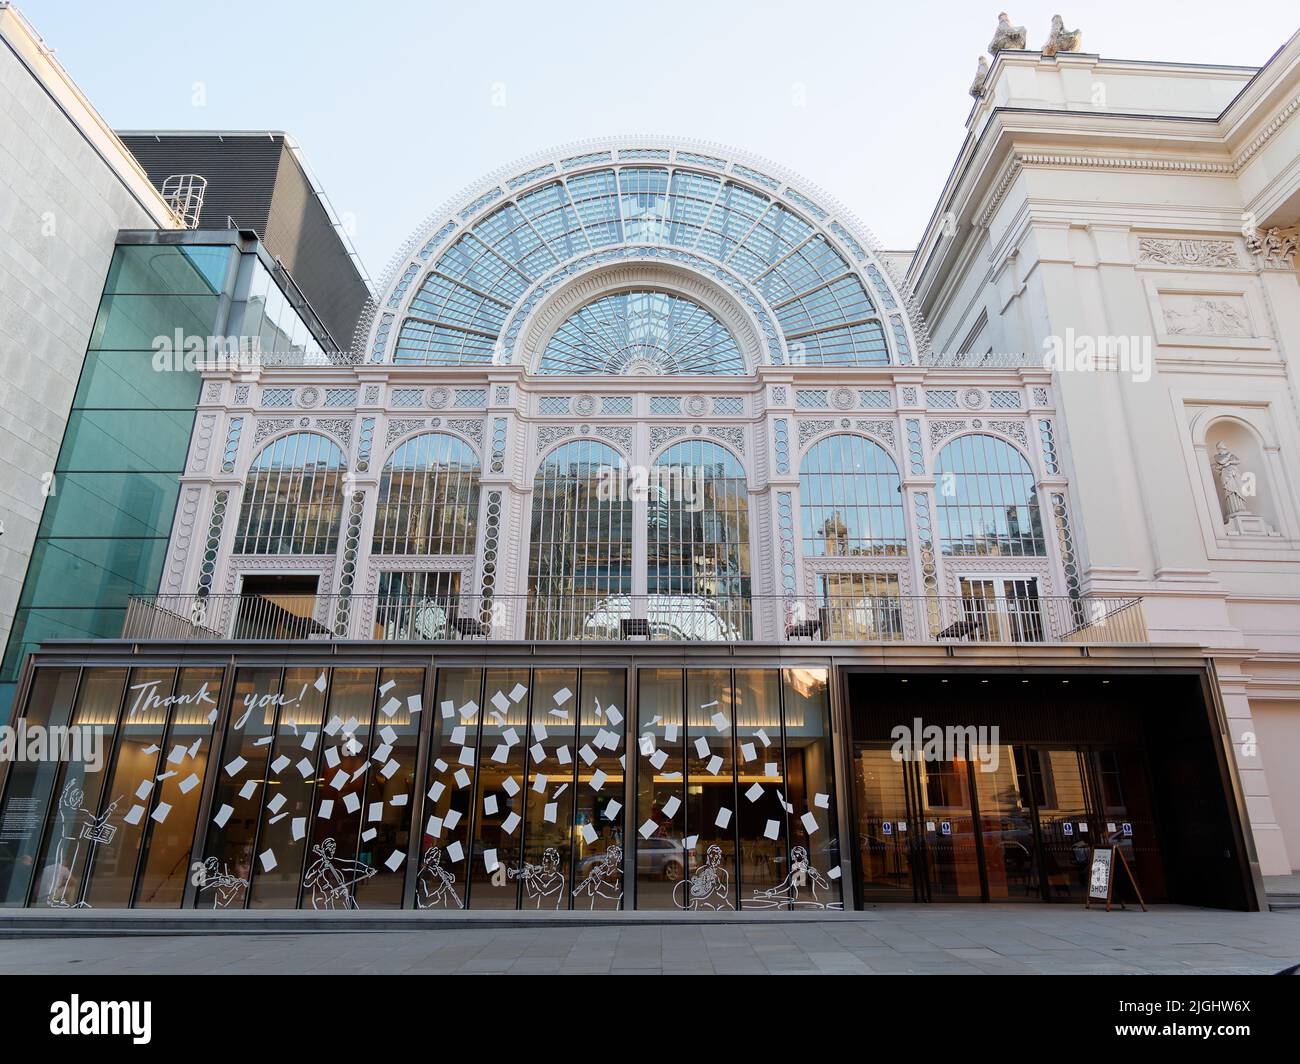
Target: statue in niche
1007	36
1237	516
1227	468
1060	39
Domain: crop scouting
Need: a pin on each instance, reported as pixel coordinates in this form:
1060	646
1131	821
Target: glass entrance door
1017	825
1066	828
947	830
884	851
1006	826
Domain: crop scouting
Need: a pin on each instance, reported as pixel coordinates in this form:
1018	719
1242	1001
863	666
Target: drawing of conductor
227	888
435	885
786	894
79	832
709	887
544	881
605	880
331	880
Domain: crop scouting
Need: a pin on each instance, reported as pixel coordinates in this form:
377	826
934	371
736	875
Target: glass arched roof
640	333
792	262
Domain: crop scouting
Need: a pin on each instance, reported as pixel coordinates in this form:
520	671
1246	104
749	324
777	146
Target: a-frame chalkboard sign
1101	877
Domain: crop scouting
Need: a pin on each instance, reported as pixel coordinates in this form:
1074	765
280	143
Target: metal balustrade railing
587	617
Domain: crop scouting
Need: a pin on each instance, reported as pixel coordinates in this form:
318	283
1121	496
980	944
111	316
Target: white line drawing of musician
227	888
331	879
79	832
605	880
786	894
435	885
708	888
544	881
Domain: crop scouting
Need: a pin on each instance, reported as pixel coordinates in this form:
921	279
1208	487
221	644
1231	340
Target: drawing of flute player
605	880
435	885
79	832
331	880
544	881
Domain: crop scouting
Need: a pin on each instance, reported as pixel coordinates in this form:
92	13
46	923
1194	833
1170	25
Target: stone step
45	923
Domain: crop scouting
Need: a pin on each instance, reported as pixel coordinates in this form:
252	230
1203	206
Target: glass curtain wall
735	791
525	791
121	812
112	494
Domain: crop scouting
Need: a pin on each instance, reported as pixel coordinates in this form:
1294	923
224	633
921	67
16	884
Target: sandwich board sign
1101	877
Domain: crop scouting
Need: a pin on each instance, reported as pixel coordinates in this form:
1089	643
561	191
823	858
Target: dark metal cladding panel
255	182
241	173
300	233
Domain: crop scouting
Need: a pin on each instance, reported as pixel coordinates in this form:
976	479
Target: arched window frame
461	487
886	516
992	492
568	592
730	596
276	517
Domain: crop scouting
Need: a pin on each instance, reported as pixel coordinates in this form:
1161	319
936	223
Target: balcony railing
611	618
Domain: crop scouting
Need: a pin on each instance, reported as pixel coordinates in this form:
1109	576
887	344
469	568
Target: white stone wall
67	185
1099	225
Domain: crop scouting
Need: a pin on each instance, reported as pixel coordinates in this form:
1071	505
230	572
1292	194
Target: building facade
68	185
649	550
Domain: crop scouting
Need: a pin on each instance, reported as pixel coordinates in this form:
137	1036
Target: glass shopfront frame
345	786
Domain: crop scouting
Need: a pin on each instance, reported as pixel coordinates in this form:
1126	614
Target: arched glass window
428	498
580	565
698	543
466	295
851	500
641	333
986	498
293	498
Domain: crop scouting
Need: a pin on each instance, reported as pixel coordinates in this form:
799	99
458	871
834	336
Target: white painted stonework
1154	201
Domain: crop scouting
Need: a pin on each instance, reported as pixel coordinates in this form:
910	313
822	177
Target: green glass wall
108	514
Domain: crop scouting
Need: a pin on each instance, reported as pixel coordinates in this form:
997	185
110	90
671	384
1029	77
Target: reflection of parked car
660	857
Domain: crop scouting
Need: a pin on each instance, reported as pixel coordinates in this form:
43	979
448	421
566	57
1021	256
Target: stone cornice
1266	134
1020	160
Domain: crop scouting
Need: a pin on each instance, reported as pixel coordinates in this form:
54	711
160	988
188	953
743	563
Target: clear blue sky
393	102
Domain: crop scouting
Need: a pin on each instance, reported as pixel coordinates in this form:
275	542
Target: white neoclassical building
1155	204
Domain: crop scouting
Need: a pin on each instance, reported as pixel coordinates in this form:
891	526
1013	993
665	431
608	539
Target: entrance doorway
1003	608
278	607
1016	825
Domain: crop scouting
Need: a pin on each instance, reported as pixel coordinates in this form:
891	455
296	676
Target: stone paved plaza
900	940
